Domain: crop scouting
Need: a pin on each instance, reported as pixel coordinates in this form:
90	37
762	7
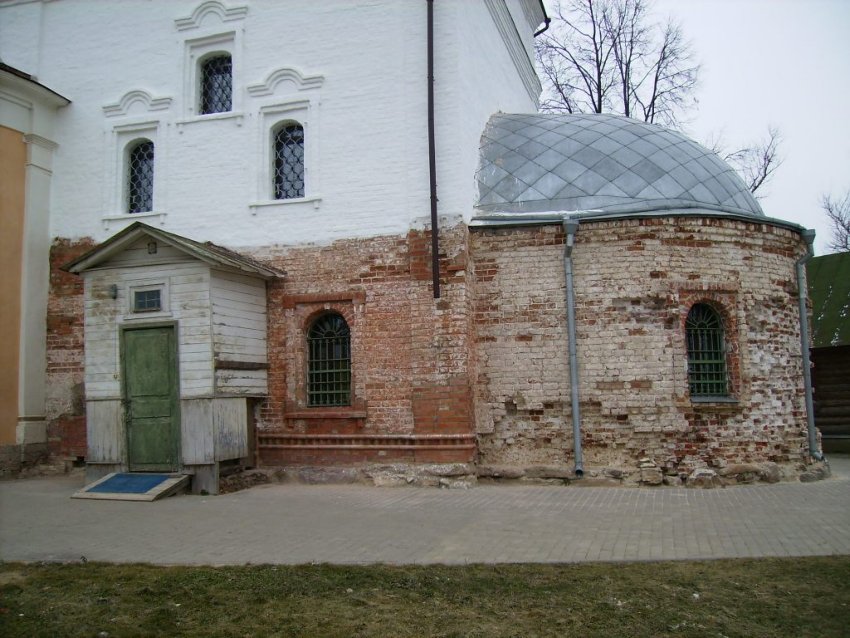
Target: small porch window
147	300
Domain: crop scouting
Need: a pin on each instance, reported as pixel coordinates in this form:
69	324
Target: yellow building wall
13	159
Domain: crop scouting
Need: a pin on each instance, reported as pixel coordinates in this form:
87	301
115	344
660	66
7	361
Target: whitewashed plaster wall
358	72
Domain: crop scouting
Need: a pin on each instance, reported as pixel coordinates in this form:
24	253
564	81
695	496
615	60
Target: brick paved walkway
355	524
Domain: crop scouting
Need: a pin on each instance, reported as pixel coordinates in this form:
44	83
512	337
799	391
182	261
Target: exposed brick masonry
635	282
65	408
489	359
410	363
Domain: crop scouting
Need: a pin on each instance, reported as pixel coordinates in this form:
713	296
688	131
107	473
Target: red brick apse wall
635	281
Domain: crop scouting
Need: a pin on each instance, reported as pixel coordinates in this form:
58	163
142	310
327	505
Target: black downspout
432	157
546	19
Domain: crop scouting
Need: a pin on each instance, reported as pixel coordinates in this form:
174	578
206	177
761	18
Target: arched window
706	352
216	84
329	362
140	177
289	162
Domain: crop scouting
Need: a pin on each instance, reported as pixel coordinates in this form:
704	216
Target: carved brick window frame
306	309
725	304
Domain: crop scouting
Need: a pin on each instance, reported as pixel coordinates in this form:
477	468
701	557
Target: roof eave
123	238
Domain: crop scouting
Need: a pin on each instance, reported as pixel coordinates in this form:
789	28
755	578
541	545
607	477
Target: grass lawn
771	597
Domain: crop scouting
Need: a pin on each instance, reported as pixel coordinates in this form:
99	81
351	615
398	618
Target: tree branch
838	213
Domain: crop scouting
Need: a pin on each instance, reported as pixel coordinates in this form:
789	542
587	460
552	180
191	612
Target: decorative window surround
707	376
122	138
123	106
723	299
271	117
195	50
211	7
285	74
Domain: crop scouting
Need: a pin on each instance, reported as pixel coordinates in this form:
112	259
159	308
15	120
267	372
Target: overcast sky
776	62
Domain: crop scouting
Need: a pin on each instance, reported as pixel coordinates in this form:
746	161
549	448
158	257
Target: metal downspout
809	236
570	229
432	157
546	19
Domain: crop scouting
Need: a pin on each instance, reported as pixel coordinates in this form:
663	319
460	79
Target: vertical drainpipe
432	157
809	236
570	230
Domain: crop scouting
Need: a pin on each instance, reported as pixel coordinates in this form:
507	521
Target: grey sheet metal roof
597	162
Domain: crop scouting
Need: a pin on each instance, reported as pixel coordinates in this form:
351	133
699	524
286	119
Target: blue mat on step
130	483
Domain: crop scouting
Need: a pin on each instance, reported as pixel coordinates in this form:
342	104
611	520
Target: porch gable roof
207	252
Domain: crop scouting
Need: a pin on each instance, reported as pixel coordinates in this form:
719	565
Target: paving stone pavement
292	524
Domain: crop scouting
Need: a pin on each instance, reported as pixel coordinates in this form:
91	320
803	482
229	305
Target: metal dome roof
601	163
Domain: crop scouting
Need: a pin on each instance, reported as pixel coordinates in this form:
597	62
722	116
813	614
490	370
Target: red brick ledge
367	441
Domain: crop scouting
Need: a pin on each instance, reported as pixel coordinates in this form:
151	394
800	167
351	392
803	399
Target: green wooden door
150	395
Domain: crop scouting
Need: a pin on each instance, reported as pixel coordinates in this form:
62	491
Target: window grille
140	178
706	352
216	85
289	162
329	369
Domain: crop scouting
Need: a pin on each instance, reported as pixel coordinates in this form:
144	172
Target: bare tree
838	212
605	56
755	163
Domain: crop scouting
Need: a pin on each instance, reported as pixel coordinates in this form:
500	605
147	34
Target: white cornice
43	142
225	14
513	43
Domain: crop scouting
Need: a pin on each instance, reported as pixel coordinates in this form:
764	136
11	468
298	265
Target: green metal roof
829	289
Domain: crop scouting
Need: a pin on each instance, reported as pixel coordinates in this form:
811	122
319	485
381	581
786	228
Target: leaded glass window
289	162
329	367
140	178
216	84
706	352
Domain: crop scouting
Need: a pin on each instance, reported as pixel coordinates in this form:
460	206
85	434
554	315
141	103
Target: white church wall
354	73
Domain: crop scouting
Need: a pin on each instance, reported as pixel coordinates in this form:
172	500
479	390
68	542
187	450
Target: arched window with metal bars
140	177
707	375
289	161
329	361
216	91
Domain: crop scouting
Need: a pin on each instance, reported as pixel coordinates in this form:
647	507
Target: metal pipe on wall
570	230
432	157
809	237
